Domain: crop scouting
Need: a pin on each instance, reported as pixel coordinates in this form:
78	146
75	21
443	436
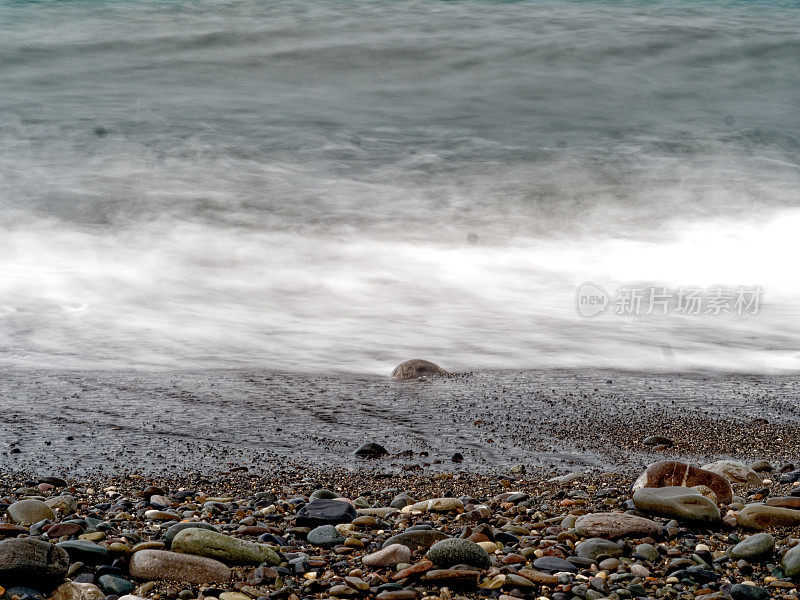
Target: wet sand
555	421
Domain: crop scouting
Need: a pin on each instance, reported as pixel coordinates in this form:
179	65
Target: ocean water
342	185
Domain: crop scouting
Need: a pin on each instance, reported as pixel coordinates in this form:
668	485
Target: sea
318	186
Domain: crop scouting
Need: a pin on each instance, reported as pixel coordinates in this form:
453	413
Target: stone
65	503
735	472
615	525
706	491
668	473
224	548
594	547
762	466
84	550
78	591
178	527
740	591
390	556
761	516
657	440
404	594
371	450
23	560
760	545
457	551
553	564
325	535
434	505
113	584
61	529
538	576
674	502
785	502
417	539
28	512
325	512
161	565
416	369
647	552
791	562
452	577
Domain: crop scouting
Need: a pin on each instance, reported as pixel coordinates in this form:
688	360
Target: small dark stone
325	512
371	450
748	592
553	564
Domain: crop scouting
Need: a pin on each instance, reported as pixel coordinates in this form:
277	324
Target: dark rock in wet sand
325	512
371	450
416	368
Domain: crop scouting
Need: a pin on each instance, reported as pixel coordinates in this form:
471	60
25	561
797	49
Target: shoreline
555	421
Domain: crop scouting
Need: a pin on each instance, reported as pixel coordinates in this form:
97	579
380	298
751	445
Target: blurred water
344	185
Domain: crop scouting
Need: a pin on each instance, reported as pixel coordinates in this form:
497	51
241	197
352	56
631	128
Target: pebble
224	548
325	512
78	591
615	525
669	473
23	560
553	564
735	472
389	556
748	592
434	505
371	450
760	545
28	512
325	535
416	369
594	547
455	551
682	503
761	516
163	565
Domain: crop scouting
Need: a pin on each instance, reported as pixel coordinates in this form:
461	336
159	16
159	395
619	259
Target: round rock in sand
667	473
616	525
416	368
676	502
458	551
163	565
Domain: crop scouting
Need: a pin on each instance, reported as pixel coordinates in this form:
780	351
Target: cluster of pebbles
723	531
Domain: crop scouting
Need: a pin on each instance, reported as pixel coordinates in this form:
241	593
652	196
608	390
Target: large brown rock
162	565
23	560
668	473
416	368
615	525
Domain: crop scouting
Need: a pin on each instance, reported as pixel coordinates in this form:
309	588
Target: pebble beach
713	515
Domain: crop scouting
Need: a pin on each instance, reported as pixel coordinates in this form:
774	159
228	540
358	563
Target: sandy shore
556	421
